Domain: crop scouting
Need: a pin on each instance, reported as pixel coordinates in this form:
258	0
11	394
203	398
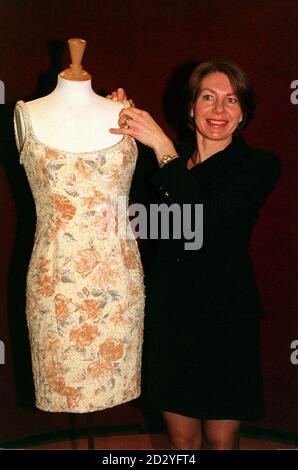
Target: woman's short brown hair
239	81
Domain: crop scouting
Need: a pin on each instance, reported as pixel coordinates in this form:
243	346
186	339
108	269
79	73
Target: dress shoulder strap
21	107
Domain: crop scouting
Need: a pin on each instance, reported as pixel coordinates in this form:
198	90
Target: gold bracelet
166	159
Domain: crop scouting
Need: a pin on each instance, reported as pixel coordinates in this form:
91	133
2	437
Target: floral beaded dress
85	294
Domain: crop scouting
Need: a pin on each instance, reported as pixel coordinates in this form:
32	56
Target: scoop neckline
54	149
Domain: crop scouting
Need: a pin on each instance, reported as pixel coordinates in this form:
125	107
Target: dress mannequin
85	298
73	117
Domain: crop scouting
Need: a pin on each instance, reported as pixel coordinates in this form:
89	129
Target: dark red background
146	47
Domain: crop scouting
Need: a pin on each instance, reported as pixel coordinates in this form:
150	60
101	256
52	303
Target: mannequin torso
72	118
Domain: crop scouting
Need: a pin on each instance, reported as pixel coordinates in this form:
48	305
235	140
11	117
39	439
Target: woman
203	307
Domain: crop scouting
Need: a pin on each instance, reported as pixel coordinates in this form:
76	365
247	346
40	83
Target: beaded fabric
85	293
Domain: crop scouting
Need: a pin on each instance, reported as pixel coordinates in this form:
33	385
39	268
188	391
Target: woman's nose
218	106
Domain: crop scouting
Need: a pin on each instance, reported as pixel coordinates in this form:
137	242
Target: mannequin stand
90	429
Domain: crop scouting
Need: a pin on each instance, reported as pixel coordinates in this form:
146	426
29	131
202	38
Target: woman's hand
120	95
140	125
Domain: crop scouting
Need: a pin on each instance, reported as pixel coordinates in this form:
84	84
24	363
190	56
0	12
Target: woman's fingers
133	119
140	125
125	116
120	95
114	96
121	130
132	113
126	122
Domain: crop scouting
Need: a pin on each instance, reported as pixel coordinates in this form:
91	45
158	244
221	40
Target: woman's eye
207	97
232	100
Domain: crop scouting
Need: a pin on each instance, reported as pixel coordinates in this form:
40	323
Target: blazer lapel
213	171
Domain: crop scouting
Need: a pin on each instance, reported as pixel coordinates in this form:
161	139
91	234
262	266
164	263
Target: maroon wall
142	45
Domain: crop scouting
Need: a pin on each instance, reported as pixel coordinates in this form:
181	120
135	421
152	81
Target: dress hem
41	408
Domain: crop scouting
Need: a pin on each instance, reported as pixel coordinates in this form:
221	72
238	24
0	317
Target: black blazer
215	282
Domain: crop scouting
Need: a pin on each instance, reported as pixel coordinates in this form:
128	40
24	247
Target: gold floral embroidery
64	209
52	154
94	199
131	259
106	222
121	315
45	285
57	384
132	386
86	260
51	345
42	264
90	309
81	168
73	396
62	307
107	274
98	369
113	177
135	293
83	336
54	369
111	350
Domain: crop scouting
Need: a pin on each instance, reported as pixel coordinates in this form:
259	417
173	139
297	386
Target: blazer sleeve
141	190
244	192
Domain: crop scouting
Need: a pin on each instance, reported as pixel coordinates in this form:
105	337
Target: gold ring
126	125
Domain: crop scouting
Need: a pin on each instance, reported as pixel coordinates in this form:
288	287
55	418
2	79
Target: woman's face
217	111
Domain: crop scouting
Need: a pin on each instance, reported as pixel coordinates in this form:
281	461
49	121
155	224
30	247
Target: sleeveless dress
85	293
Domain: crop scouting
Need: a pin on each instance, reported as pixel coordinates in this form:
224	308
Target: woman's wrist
165	147
167	158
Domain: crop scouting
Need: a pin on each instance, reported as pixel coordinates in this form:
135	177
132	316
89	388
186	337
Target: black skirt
207	371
